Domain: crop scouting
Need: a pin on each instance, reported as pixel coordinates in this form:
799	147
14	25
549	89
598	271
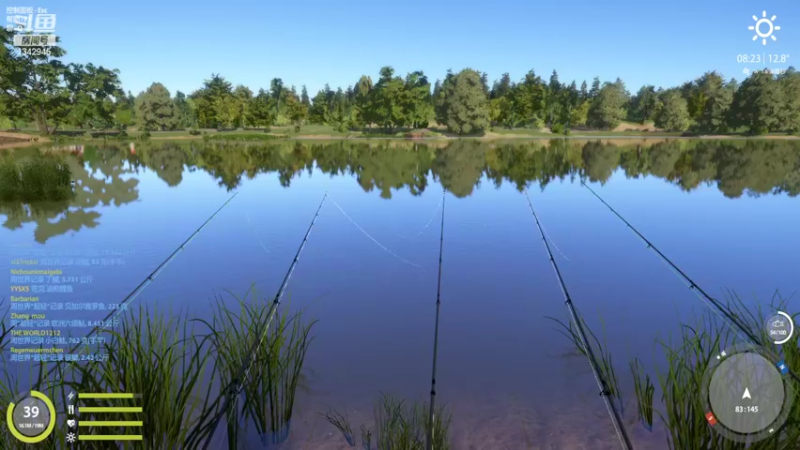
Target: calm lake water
726	212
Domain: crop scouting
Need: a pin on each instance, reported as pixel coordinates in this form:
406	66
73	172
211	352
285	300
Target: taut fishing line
433	216
253	227
373	239
554	244
146	282
436	334
709	301
233	394
616	419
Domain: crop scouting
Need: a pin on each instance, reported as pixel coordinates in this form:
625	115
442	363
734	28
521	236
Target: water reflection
108	175
100	176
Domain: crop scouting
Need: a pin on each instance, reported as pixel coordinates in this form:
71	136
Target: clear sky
311	42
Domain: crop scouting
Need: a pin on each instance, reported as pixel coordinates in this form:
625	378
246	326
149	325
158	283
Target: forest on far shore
53	95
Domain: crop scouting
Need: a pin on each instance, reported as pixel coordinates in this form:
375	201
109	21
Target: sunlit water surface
726	213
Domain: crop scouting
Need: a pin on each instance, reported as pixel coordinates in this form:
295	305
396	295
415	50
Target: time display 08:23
755	58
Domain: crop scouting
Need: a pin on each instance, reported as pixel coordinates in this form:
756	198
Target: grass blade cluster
398	425
269	390
681	410
181	375
45	177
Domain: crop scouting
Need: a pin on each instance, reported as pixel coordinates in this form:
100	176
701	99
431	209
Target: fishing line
616	419
141	287
373	239
433	216
715	305
233	394
253	227
436	331
554	244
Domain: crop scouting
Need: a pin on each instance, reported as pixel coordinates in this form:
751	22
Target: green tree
206	100
643	104
502	87
261	109
227	110
441	90
155	109
296	111
386	99
34	84
318	113
467	104
595	91
243	96
580	114
673	113
757	104
304	97
184	111
361	95
790	86
714	100
417	100
529	100
608	108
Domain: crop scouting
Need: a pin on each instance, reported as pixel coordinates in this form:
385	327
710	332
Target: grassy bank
329	132
674	403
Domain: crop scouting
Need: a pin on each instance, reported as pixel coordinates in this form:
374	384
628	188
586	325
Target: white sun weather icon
764	22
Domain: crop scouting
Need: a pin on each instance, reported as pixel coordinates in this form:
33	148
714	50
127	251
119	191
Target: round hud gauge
747	396
32	418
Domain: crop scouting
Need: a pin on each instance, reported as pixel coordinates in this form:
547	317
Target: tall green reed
45	177
397	425
181	376
680	373
268	394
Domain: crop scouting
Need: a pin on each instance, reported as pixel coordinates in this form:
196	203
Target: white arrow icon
746	394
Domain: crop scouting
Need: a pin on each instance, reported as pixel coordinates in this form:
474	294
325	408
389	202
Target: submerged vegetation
41	178
181	373
397	425
680	411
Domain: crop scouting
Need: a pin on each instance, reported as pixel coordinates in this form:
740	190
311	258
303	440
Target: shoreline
23	140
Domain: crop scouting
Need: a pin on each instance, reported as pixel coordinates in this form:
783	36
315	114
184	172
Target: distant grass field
433	131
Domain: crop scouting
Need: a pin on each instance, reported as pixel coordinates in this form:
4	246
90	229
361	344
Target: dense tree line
44	90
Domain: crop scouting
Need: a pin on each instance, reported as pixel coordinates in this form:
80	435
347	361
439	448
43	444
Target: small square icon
784	369
711	419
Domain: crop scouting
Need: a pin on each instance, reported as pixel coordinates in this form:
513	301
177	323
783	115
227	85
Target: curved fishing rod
616	419
146	282
691	284
436	332
233	394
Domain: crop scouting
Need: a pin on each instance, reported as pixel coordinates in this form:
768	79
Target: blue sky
311	42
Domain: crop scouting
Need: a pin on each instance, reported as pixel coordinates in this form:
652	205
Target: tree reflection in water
107	175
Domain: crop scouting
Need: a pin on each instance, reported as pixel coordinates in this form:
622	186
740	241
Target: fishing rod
149	279
605	392
694	287
436	331
233	394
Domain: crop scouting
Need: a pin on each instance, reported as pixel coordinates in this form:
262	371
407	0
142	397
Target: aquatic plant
159	358
398	425
182	376
271	384
44	177
681	411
